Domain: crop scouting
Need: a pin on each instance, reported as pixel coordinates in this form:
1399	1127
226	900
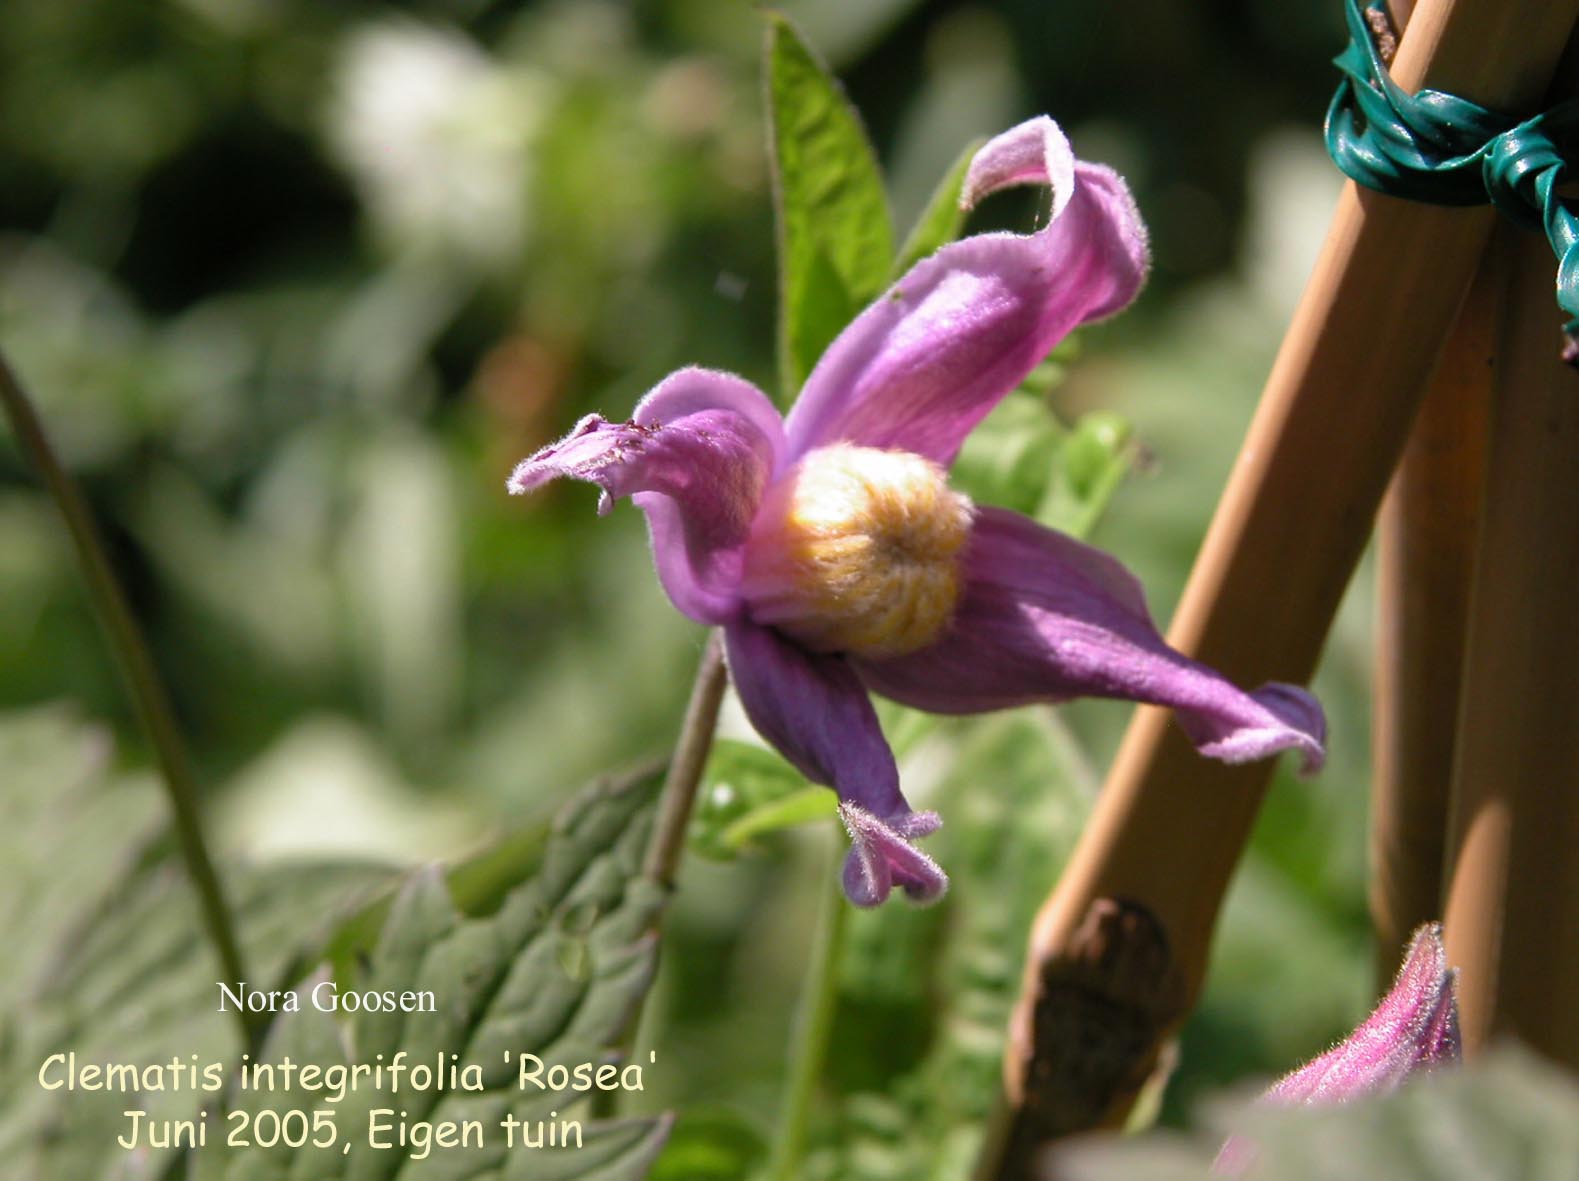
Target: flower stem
813	1026
151	702
685	768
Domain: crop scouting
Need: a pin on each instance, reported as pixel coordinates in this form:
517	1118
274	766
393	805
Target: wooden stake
1512	923
1430	525
1170	826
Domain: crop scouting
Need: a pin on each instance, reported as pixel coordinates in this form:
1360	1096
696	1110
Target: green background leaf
835	236
110	962
940	222
557	971
106	955
749	791
1507	1117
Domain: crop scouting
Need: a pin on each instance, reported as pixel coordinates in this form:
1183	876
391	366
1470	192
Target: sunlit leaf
556	971
791	811
1011	459
835	236
941	220
116	969
106	952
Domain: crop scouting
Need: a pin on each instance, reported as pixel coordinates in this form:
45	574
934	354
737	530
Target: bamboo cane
1513	892
1428	532
1170	826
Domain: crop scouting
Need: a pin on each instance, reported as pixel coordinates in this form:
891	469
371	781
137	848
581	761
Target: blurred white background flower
437	136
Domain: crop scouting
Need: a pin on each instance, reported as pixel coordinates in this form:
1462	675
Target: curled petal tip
1034	152
695	459
920	367
556	459
1289	719
882	857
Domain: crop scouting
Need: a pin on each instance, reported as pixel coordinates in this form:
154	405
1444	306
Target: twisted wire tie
1445	150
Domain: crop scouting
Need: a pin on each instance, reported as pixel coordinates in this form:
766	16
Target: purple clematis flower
832	552
1414	1028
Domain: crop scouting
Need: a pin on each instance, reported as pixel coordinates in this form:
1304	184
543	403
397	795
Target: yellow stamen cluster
857	550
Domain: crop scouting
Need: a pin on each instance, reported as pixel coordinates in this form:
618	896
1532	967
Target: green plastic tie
1446	150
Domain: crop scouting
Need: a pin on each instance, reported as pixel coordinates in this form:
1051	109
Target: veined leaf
110	962
105	952
557	972
835	236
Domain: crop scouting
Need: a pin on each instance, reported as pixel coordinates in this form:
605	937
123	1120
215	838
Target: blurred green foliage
295	284
1508	1116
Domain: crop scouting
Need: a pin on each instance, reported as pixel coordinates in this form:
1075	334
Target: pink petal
695	458
926	361
881	857
1045	618
816	713
1415	1026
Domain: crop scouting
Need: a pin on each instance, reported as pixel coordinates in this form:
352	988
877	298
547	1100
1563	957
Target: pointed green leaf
835	237
556	971
941	220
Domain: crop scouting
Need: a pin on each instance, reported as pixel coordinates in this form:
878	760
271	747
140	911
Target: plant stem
813	1025
685	768
675	800
149	698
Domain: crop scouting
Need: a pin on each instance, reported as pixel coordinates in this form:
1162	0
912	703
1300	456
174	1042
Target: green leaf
791	811
557	971
710	1144
941	220
105	954
926	994
59	795
478	885
1506	1117
1096	457
835	237
109	962
1023	458
741	785
1011	458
